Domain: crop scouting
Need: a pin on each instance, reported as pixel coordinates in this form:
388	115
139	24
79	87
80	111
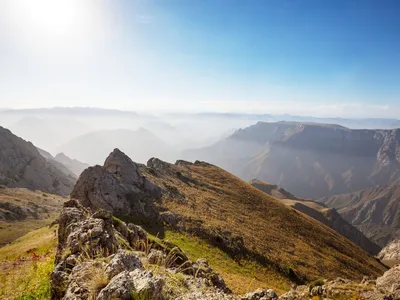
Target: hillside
21	165
308	159
210	203
328	216
374	211
22	211
140	143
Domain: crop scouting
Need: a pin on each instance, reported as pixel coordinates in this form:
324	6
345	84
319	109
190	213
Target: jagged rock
202	269
390	282
140	283
261	294
118	187
86	280
122	261
391	251
156	257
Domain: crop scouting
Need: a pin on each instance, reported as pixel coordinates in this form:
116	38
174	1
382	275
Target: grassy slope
22	276
11	230
284	236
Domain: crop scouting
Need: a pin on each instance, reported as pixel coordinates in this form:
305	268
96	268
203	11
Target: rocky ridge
101	257
21	165
198	198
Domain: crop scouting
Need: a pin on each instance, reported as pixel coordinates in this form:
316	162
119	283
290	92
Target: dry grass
270	229
49	206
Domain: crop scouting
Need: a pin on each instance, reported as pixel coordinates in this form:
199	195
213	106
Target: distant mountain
139	144
308	159
48	132
319	212
375	211
21	165
72	164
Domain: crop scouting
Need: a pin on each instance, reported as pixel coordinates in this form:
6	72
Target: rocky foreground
101	257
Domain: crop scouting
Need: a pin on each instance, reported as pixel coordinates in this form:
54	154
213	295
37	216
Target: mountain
374	211
72	164
21	165
308	159
140	144
206	202
328	216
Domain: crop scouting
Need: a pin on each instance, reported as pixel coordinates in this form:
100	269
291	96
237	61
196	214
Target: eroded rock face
118	187
21	165
391	251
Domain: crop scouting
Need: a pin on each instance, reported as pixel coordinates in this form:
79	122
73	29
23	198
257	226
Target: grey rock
391	251
138	282
122	261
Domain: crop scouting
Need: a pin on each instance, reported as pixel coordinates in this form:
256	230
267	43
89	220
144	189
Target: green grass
241	276
21	275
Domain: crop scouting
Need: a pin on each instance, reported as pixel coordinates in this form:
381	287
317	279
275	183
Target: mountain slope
21	165
22	211
309	159
94	147
375	211
212	204
328	216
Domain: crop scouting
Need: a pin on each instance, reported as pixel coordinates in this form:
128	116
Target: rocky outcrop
118	187
21	165
391	252
100	257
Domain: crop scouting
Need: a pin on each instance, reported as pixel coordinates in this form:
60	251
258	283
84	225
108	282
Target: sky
321	58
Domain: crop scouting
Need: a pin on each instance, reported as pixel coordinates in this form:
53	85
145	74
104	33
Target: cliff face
309	159
21	165
375	211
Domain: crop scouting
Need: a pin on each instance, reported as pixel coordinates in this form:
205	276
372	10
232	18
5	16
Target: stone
122	261
140	283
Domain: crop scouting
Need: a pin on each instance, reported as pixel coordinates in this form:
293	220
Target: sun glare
54	22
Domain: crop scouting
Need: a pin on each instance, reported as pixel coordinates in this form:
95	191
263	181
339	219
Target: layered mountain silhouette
374	211
319	212
308	159
94	147
21	165
205	201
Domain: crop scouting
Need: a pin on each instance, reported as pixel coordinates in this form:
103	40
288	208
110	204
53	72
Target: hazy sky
322	58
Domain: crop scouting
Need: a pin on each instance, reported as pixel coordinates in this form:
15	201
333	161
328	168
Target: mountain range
310	160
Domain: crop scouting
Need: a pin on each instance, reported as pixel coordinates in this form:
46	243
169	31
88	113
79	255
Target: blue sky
323	58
